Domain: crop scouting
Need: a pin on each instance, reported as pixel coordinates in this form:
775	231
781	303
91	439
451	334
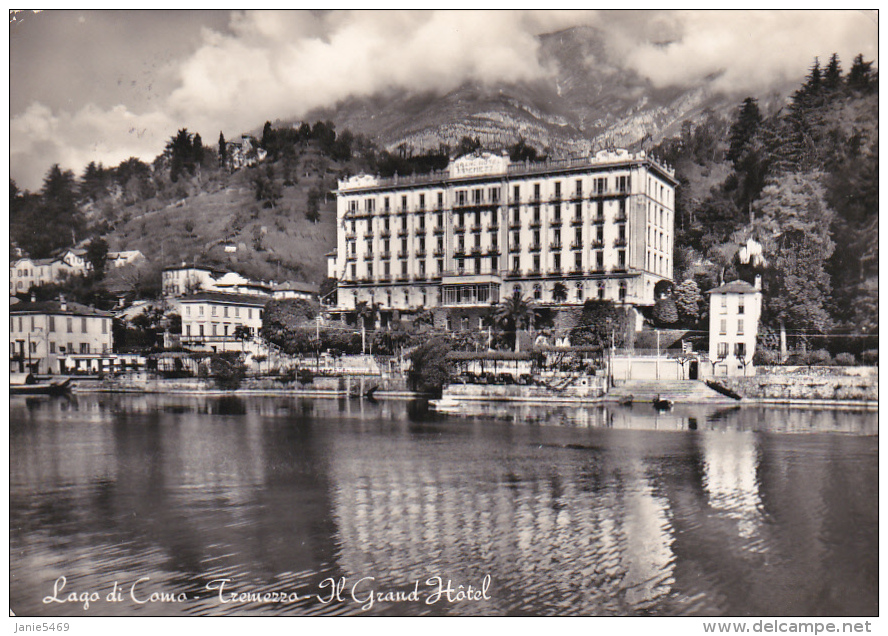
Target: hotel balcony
476	228
493	250
597	244
385	255
403	233
555	198
493	227
419	277
368	256
476	250
576	245
439	252
439	229
576	196
385	233
533	271
556	222
402	254
621	218
514	225
385	278
367	280
598	219
403	278
620	242
350	236
536	224
368	236
576	271
577	220
555	245
555	271
459	228
535	247
420	253
515	248
351	257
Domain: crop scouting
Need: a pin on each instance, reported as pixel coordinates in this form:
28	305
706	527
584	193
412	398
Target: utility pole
658	354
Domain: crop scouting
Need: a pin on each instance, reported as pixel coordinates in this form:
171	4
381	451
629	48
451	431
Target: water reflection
570	510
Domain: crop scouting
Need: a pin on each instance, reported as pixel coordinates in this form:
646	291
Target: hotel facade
486	228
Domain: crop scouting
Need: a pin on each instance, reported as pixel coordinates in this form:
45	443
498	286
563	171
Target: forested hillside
803	182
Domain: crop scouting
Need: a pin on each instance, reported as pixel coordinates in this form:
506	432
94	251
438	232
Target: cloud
40	138
749	50
265	65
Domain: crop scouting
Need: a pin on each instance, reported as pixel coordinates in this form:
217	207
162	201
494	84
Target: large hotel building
485	228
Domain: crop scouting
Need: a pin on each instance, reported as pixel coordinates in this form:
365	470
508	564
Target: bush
870	356
228	370
430	369
846	360
305	376
820	357
765	357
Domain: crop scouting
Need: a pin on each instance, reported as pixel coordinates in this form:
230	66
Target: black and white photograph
444	313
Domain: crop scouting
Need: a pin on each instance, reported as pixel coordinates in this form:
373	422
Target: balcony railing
555	245
597	244
476	249
476	228
385	255
536	223
620	242
598	218
555	270
402	254
439	251
493	227
385	233
368	236
577	220
555	198
420	253
535	247
459	228
351	257
556	222
514	225
576	271
493	250
576	245
514	248
368	256
439	229
403	232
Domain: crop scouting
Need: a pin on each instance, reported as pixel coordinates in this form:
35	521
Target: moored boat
27	384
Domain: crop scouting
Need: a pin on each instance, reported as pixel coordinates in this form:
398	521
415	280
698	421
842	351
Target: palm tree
515	314
364	310
559	292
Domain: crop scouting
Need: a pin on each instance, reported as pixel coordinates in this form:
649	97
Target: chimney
758	282
63	303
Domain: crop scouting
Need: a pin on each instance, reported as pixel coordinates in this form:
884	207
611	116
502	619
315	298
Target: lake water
150	504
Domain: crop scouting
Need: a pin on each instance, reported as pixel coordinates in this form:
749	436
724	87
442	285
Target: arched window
579	292
516	289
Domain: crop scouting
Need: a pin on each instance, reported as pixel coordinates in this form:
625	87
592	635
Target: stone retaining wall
807	383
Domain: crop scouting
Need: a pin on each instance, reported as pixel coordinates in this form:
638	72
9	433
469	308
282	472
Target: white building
59	337
210	320
485	228
291	289
119	259
188	279
734	312
25	273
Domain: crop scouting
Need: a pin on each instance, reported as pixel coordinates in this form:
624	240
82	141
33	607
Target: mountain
586	103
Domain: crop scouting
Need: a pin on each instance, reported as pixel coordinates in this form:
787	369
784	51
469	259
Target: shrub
846	360
430	369
765	357
305	376
870	356
228	370
820	357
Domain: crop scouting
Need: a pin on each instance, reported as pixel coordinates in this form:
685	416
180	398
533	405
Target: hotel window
477	196
579	189
740	349
250	314
536	191
52	347
558	189
403	202
622	290
200	310
724	303
104	326
516	193
201	330
722	351
440	265
385	225
237	312
537	292
740	305
600	291
494	195
740	327
354	270
621	259
404	223
422	202
84	347
188	330
70	322
536	263
557	211
578	261
599	260
516	264
422	268
440	220
225	311
369	270
494	264
354	226
32	323
461	265
385	204
403	268
723	327
213	310
52	323
214	329
422	221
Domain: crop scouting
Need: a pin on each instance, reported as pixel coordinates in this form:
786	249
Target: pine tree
223	151
832	77
859	75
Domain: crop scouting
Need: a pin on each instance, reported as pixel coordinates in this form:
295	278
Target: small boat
662	405
446	405
626	400
27	384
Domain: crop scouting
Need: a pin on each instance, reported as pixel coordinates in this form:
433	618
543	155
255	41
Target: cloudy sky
106	85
